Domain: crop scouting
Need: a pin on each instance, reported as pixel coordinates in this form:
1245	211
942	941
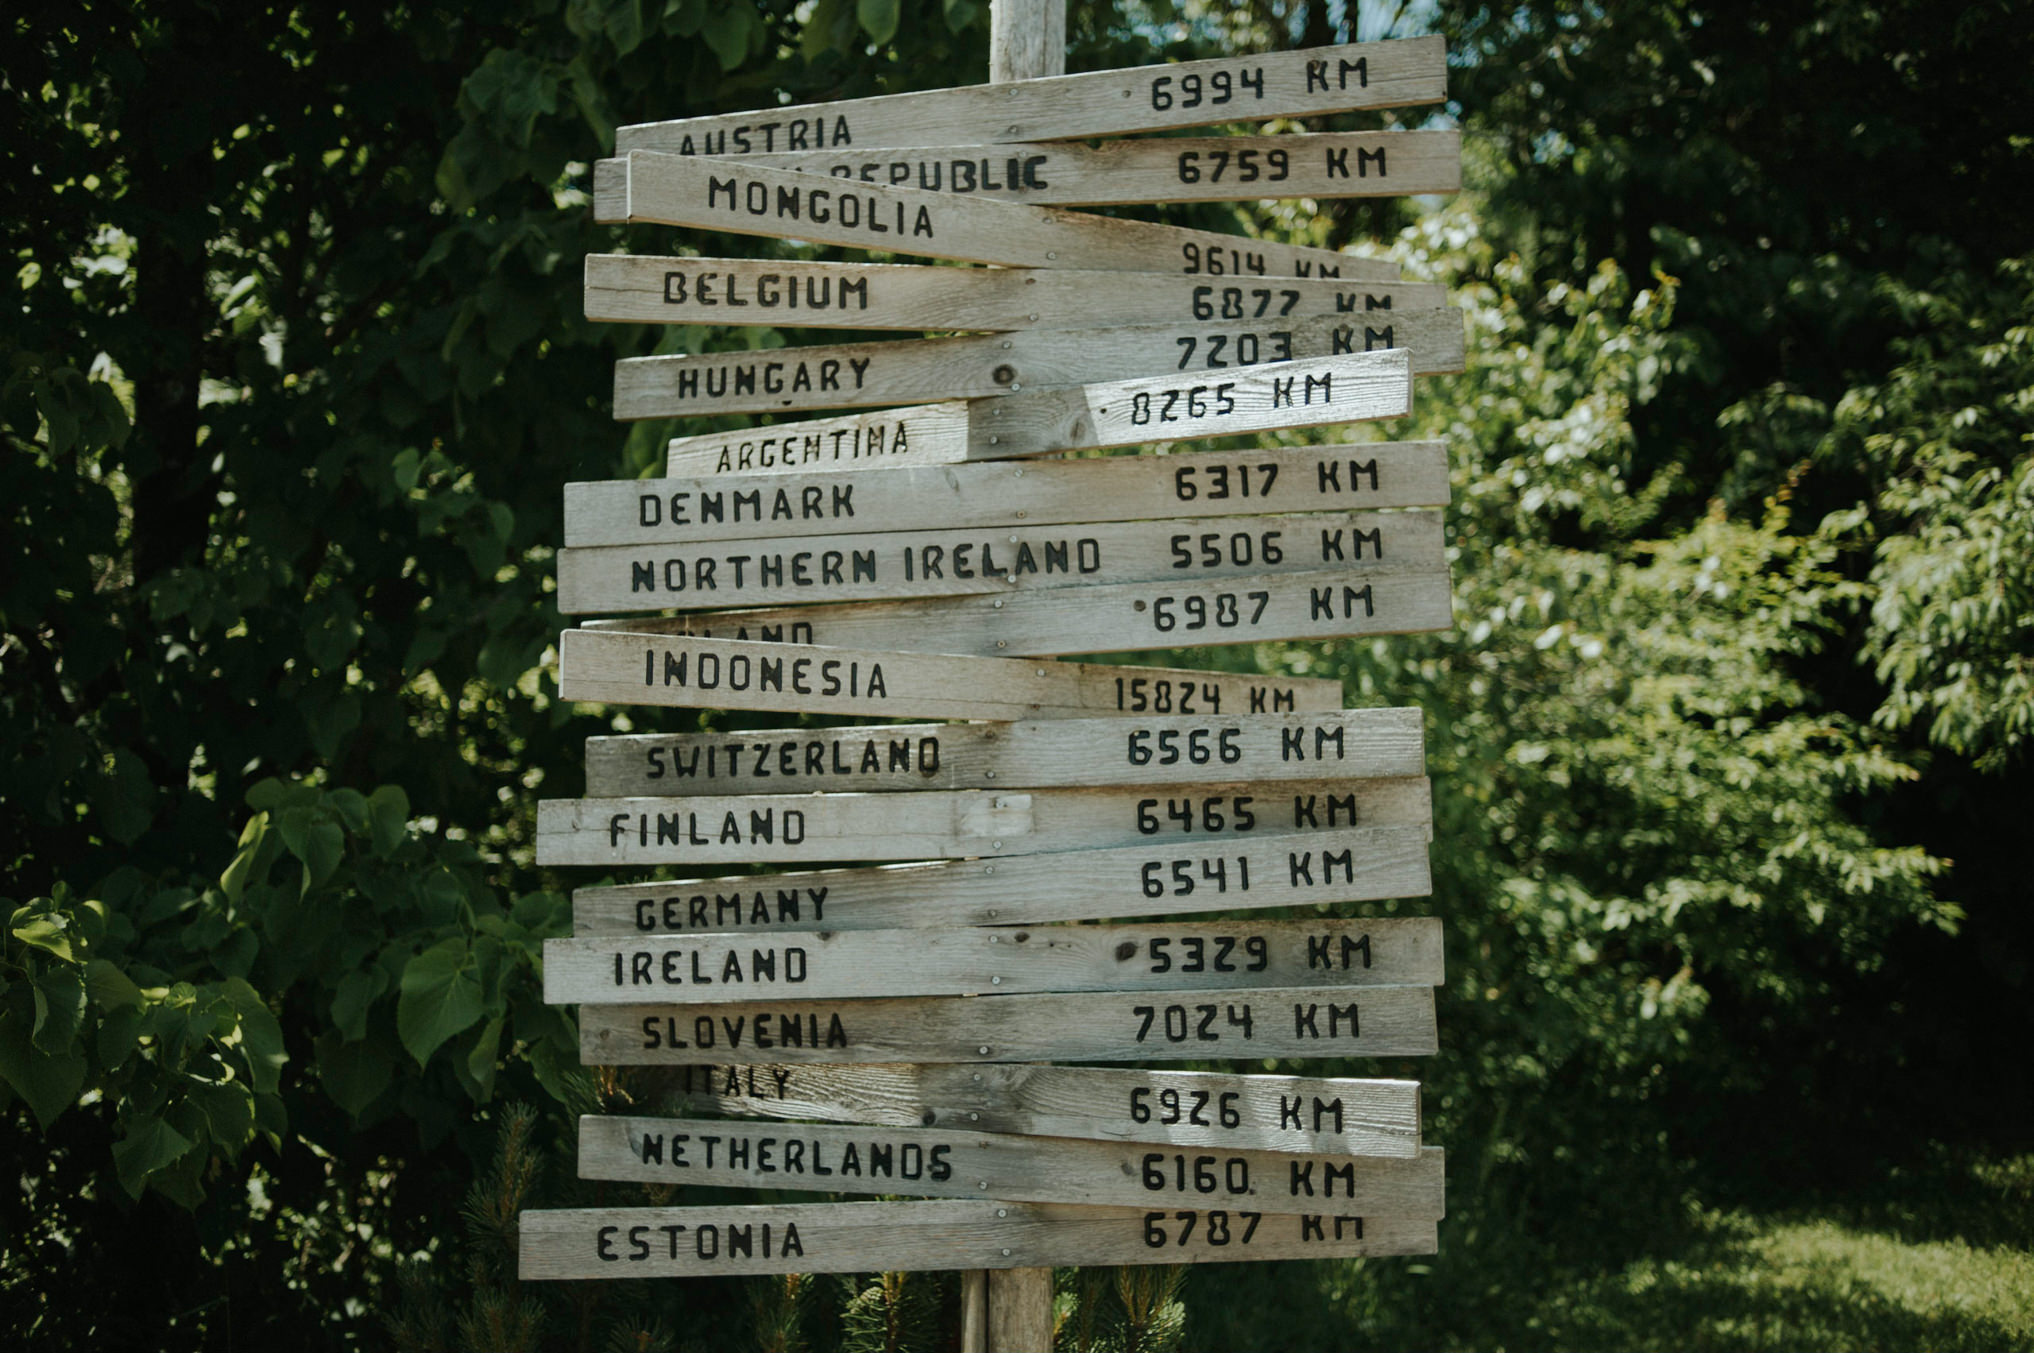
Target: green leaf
228	1107
440	997
59	1008
357	991
388	818
49	1082
313	838
726	29
271	1119
354	1074
625	25
511	89
261	1035
878	18
118	1034
328	717
110	988
241	872
350	805
270	793
47	932
480	1063
152	1145
126	798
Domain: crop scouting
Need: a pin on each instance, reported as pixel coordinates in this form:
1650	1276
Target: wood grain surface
1207	484
1334	866
1151	749
620	667
642	289
950	1163
741	199
1345	1115
997	561
673	1242
937	824
826	964
1062	1026
1304	83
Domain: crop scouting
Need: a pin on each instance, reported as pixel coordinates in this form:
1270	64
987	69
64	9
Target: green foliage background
1730	742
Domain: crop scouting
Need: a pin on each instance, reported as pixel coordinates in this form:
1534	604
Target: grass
1940	1258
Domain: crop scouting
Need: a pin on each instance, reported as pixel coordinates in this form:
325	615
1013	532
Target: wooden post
1027	40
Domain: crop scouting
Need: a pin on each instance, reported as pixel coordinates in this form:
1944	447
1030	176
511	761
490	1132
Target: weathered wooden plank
1152	750
1308	869
1040	422
1305	83
793	828
742	199
684	1242
617	667
828	965
949	1163
640	289
1116	618
998	561
1208	484
1177	1108
924	434
1188	169
1063	1026
992	366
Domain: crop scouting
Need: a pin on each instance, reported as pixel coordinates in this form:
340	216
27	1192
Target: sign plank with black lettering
1358	1117
681	1242
1114	618
826	964
621	667
1151	750
1063	1026
924	434
741	199
793	828
1187	169
1040	422
1309	869
908	371
1203	485
639	289
948	1163
818	568
1306	83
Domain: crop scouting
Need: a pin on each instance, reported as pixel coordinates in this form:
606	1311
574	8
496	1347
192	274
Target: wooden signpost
816	964
744	199
805	828
993	561
918	562
947	433
620	667
1341	1116
947	1163
1112	488
1152	750
1189	169
1069	107
1273	870
1118	618
1062	1026
635	289
688	1242
909	371
1270	871
1353	388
